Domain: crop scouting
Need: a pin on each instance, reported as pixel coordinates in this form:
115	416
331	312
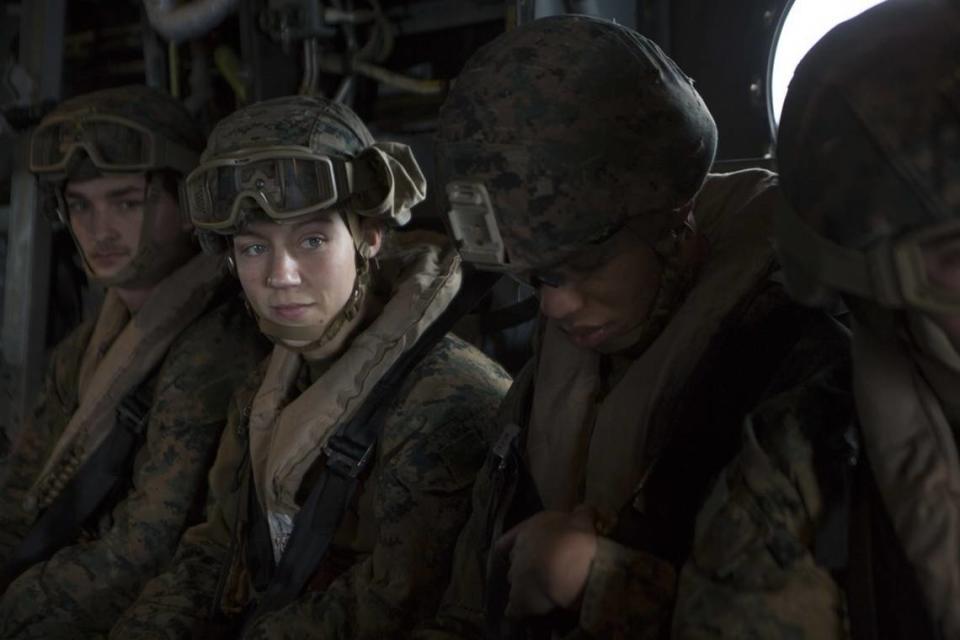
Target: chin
294	344
109	272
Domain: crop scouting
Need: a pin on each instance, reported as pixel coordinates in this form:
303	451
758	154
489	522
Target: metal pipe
229	65
200	87
27	275
335	64
189	20
336	15
173	59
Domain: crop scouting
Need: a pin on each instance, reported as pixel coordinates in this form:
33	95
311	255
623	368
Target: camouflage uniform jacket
386	570
84	587
767	344
794	540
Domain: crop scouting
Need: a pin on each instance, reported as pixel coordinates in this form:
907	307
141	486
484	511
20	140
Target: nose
559	302
284	271
98	224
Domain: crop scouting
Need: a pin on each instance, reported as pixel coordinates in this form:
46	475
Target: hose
187	21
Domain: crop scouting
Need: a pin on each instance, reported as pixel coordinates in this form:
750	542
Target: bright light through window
806	22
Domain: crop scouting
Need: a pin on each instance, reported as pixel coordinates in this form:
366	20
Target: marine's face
106	216
297	274
604	292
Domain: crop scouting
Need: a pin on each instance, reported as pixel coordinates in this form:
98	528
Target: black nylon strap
348	454
106	471
510	316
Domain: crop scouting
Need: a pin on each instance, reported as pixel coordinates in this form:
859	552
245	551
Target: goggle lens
110	145
282	186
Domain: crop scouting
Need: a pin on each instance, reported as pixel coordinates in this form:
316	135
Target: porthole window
804	22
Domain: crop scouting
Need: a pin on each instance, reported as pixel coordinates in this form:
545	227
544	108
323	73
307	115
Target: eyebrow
295	226
325	220
115	193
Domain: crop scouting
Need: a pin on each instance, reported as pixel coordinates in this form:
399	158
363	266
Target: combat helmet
296	156
560	131
131	129
869	157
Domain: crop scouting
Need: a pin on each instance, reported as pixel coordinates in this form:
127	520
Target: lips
589	337
108	257
292	311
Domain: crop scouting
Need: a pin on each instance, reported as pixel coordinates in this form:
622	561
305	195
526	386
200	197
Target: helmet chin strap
317	337
675	280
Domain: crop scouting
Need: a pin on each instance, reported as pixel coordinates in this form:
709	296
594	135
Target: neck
371	307
134	297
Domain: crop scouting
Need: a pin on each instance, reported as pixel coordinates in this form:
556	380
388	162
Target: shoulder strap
87	493
348	453
741	369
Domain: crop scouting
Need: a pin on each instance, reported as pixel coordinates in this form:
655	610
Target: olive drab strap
347	454
102	477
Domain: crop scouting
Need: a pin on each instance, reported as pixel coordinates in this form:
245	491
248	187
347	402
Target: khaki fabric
111	320
81	590
581	450
137	349
386	569
914	458
285	441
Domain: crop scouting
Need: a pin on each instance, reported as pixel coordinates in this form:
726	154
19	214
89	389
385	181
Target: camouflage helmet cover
388	180
574	125
869	141
315	123
869	154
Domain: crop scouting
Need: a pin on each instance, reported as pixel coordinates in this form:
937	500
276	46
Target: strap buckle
132	413
347	457
503	446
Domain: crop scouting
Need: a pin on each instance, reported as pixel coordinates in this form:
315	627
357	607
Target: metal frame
27	277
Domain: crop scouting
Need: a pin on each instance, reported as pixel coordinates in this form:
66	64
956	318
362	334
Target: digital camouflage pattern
868	150
630	592
901	153
753	572
575	124
290	121
632	583
387	572
83	588
387	181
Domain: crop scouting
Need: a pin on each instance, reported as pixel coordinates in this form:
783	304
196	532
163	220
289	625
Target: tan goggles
928	267
112	143
285	182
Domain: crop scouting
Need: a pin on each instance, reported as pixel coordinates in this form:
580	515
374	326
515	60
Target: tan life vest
581	450
913	454
287	439
121	353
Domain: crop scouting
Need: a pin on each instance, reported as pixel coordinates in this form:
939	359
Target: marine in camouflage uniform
181	393
839	518
390	557
560	140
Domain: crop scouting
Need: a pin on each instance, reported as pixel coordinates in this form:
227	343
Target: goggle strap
172	155
844	269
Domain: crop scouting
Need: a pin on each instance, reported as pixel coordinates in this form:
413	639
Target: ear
371	237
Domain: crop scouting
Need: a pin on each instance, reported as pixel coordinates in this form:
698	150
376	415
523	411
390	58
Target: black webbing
107	470
348	454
